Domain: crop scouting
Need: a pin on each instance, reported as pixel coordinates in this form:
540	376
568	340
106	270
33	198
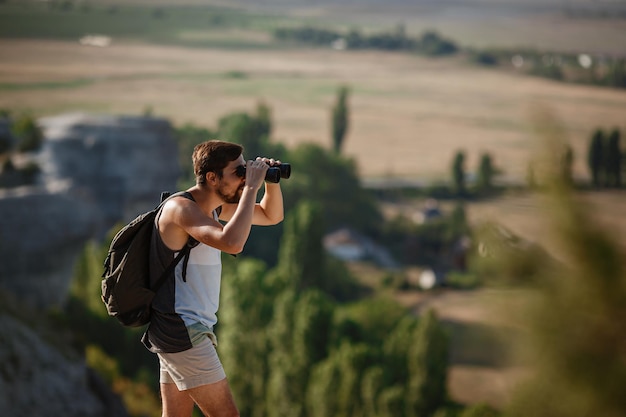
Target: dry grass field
409	115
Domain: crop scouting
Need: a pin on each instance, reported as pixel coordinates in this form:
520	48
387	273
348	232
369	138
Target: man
184	310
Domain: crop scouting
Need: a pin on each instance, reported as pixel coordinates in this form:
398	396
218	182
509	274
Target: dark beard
230	199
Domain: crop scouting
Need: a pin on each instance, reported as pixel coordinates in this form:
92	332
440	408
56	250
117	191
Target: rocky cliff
96	171
40	374
119	164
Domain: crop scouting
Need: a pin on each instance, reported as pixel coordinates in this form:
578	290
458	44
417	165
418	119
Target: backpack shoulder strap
184	252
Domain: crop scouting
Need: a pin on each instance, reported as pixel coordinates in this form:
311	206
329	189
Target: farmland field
409	114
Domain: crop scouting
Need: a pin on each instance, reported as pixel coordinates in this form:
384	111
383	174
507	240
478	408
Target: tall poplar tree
247	308
486	172
458	173
614	160
595	158
428	367
340	122
301	257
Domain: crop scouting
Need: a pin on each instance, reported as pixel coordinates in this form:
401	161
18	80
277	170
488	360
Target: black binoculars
273	174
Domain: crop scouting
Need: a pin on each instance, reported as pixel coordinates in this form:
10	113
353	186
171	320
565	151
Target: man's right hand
255	173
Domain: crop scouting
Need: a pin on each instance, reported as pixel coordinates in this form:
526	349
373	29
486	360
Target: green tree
391	402
251	131
281	394
88	275
332	182
340	120
480	410
6	143
613	160
486	172
353	360
458	173
371	387
298	340
28	134
247	307
616	74
595	157
302	258
187	137
311	328
428	367
456	224
325	382
396	352
567	162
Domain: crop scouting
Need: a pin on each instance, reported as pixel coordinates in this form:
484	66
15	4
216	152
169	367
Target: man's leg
175	403
215	400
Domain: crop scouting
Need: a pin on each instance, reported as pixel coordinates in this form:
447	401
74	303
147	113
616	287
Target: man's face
230	186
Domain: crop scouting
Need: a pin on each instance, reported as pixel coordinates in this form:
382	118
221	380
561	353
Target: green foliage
429	43
6	143
187	137
613	160
605	158
332	182
595	157
433	44
551	71
103	364
144	22
500	257
391	401
458	174
396	352
113	350
373	317
251	131
298	339
311	328
321	396
242	329
428	366
486	172
485	58
371	387
616	74
430	243
12	176
24	136
340	119
577	320
567	161
480	410
29	136
87	276
302	257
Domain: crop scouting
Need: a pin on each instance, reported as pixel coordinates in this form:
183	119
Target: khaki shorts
194	367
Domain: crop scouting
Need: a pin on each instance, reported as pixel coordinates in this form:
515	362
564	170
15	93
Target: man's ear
211	178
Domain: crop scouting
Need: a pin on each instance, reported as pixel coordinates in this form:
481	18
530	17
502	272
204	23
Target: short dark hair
213	156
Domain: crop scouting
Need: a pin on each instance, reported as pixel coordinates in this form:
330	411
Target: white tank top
197	299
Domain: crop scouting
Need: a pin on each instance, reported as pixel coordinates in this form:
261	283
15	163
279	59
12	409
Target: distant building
349	245
429	212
